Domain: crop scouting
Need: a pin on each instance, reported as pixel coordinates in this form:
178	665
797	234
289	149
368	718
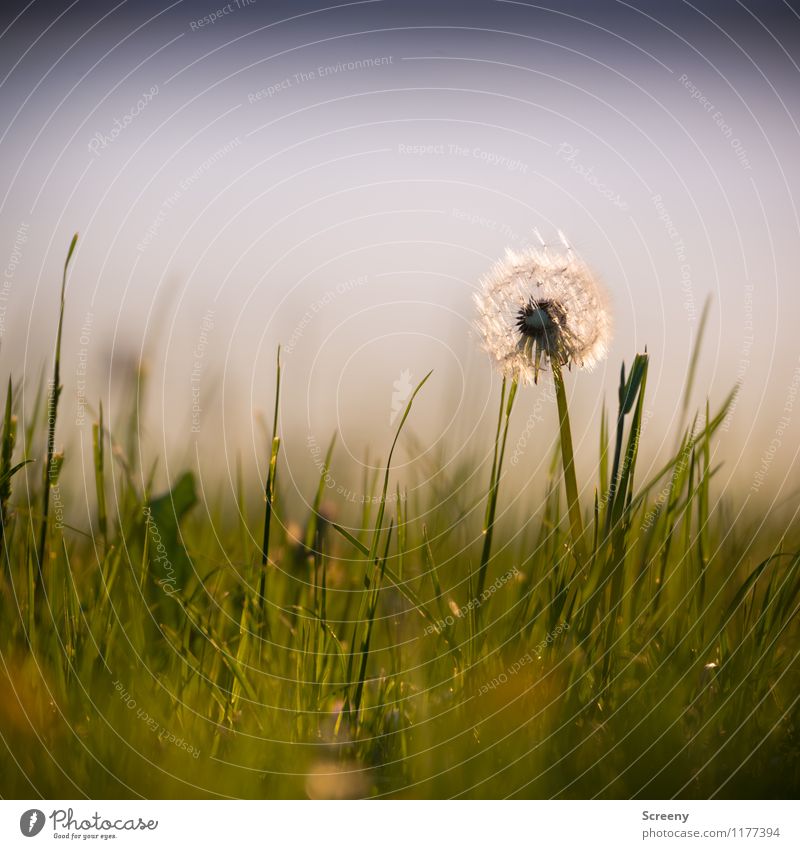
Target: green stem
52	412
494	483
99	477
269	498
568	460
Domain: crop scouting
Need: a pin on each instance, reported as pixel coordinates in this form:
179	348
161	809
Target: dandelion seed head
535	305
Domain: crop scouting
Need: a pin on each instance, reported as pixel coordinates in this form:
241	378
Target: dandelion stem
568	460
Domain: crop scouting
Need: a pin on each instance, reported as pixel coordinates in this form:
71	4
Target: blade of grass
619	528
628	392
382	504
6	453
311	530
431	566
52	414
494	482
371	553
693	360
98	439
718	419
375	590
603	470
402	526
269	497
401	585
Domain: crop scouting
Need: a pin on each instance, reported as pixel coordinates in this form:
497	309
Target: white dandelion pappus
534	306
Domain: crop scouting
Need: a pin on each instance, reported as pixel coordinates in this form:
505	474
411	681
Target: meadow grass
641	645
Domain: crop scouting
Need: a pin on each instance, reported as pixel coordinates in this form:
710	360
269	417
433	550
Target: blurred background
336	178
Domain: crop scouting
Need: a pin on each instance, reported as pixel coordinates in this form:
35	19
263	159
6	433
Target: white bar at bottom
402	824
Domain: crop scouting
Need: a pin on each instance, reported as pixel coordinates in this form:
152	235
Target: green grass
643	644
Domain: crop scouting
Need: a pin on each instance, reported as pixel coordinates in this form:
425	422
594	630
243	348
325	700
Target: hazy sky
336	178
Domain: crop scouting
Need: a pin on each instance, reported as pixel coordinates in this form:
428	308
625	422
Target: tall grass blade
694	359
269	497
52	413
98	439
494	482
311	530
9	439
376	583
382	504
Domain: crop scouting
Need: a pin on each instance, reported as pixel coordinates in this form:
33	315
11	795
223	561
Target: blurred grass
172	655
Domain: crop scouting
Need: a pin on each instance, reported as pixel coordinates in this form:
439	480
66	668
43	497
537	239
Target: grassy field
643	644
